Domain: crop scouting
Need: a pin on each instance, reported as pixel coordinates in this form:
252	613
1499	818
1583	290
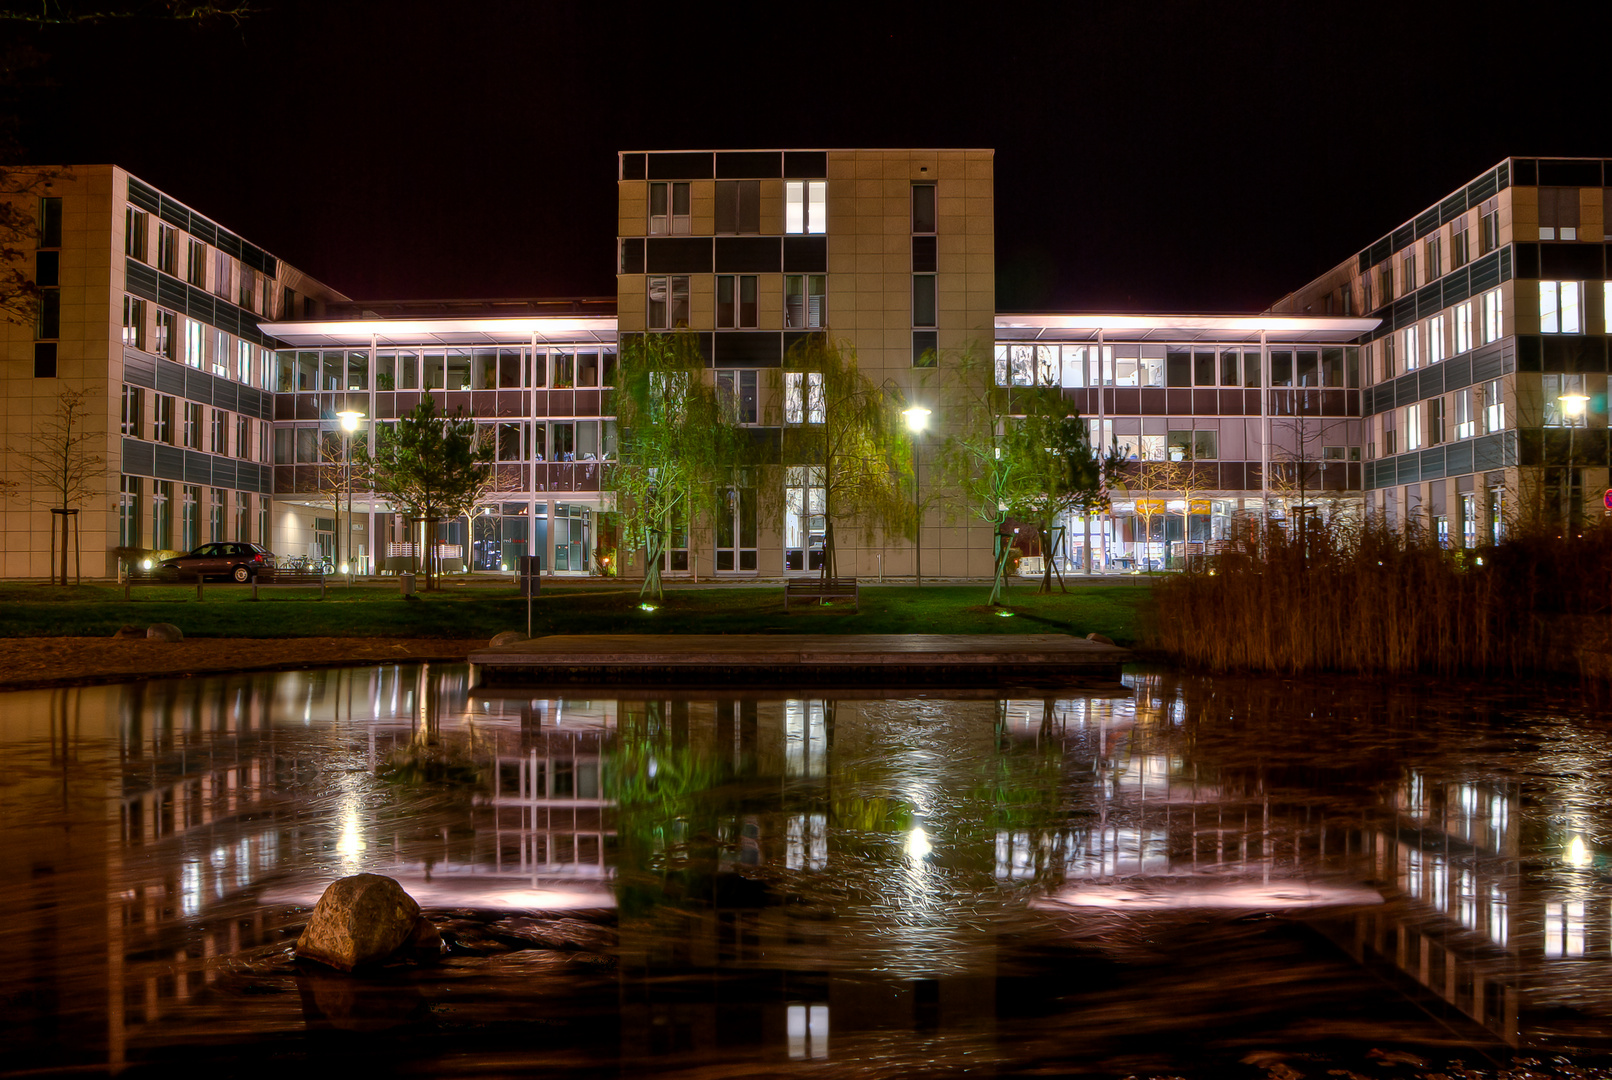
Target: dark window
923	208
1281	367
923	300
1203	368
48	268
50	223
925	348
738	206
1558	213
45	360
924	259
49	323
1178	368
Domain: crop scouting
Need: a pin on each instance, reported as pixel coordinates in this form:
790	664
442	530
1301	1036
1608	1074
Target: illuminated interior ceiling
1053	327
387	333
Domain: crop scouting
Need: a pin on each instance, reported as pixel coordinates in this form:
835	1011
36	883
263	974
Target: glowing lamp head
350	419
917	418
145	564
1573	404
343	568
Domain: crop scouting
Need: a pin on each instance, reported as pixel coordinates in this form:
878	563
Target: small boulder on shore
364	920
1101	639
508	637
127	632
164	631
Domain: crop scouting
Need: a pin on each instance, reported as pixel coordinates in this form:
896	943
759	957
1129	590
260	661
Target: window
134	407
1388	345
805	306
1435	421
265	432
923	208
243	438
1558	213
1494	407
1413	427
162	522
1433	256
129	513
803	397
1466	424
1491	316
248	292
1460	246
264	505
1407	269
668	303
243	362
668	210
243	517
805	206
134	232
1559	307
48	276
196	264
50	222
189	523
1413	353
1435	339
923	299
134	322
1390	432
1385	284
221	354
166	259
220	441
1489	225
736	301
193	425
1564	402
195	344
223	278
1463	327
215	515
738	206
162	424
167	322
736	529
737	390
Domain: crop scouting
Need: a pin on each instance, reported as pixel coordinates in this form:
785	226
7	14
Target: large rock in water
164	631
361	920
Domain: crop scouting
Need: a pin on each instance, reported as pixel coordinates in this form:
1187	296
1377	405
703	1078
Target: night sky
1149	157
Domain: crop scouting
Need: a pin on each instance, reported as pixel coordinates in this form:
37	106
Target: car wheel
242	575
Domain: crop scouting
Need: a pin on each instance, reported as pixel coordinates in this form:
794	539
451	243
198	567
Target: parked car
238	562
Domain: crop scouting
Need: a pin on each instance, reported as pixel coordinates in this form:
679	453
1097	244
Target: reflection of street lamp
1573	404
349	424
917	420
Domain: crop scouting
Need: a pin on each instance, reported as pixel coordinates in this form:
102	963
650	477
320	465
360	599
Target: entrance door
804	530
572	538
736	532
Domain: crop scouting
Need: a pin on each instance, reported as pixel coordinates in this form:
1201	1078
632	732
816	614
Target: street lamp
917	419
1573	407
349	424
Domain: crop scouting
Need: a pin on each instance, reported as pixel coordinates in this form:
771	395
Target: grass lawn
468	612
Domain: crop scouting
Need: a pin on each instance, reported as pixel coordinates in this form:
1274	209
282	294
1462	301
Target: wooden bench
262	579
822	590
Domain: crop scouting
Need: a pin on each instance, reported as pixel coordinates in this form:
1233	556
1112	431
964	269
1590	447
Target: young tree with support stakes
836	421
433	468
678	447
60	469
1049	447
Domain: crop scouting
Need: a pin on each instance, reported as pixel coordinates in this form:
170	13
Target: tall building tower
890	253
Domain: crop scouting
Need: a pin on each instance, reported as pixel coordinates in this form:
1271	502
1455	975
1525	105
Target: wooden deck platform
817	660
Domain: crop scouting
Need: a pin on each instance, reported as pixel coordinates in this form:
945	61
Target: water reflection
794	878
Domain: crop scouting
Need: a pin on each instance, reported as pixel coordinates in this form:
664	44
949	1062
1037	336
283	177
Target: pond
1184	876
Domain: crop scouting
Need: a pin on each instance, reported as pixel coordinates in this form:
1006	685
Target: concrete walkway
799	659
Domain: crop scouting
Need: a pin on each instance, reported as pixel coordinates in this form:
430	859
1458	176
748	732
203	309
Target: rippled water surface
1187	876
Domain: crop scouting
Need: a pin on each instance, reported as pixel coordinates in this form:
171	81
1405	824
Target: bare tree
59	467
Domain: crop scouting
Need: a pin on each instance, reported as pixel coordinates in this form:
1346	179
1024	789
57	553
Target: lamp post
1573	403
349	424
917	419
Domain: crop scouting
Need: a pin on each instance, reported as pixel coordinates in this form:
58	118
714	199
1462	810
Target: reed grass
1366	598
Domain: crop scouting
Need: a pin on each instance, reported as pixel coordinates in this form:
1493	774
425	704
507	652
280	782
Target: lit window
134	322
803	397
668	210
195	344
1463	327
1435	339
1559	307
165	333
243	362
1564	929
134	403
668	303
805	306
805	206
1565	404
737	389
134	232
807	1027
1494	407
1466	424
1491	316
1413	427
1413	353
221	351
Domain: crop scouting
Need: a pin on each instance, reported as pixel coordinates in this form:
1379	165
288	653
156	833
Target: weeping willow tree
849	435
678	447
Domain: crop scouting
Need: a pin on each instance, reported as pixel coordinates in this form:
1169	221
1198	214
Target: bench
262	579
822	590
